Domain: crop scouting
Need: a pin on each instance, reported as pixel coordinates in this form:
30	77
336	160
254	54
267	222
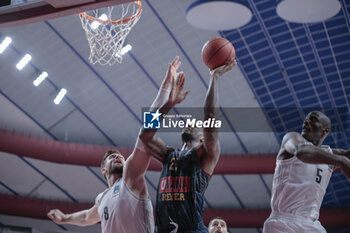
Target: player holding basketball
303	169
186	173
217	225
125	206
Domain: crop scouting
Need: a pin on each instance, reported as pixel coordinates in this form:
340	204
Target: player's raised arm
138	162
345	166
342	152
210	155
315	155
153	144
294	144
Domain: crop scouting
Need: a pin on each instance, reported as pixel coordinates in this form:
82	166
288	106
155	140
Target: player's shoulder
292	136
170	149
328	149
169	152
98	198
289	142
199	149
292	140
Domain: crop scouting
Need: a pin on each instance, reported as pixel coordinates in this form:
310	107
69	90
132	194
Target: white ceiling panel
251	190
16	120
259	142
4	189
230	144
17	174
219	194
79	182
102	100
268	180
48	190
74	127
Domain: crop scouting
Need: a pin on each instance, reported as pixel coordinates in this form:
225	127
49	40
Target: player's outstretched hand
171	73
223	69
57	216
345	166
177	95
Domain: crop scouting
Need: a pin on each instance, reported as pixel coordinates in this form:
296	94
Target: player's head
217	225
112	163
192	135
316	126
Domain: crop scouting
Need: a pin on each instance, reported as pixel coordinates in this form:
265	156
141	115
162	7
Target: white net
105	35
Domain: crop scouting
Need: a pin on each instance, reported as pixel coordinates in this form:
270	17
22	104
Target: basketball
217	51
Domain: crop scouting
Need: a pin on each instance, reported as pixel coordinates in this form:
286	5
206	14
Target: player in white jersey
125	206
217	225
303	169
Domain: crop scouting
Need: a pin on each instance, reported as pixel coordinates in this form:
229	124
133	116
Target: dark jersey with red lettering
181	188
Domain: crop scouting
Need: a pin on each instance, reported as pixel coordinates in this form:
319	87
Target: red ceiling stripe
91	155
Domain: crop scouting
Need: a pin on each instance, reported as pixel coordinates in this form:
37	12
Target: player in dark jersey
186	173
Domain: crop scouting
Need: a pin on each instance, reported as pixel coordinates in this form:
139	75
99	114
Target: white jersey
298	188
122	212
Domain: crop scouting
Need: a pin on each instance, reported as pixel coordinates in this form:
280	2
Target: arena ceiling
284	70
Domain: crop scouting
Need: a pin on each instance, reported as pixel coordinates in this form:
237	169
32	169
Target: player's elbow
88	219
144	137
84	220
210	112
300	151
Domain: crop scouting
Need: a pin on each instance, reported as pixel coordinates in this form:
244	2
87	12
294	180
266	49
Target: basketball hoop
105	34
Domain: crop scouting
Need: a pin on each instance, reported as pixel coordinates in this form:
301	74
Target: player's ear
104	171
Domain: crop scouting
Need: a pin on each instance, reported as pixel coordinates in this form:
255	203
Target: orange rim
119	21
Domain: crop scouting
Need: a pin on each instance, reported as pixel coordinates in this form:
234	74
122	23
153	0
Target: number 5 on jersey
318	175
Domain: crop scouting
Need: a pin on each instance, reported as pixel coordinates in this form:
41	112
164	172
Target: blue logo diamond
151	120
